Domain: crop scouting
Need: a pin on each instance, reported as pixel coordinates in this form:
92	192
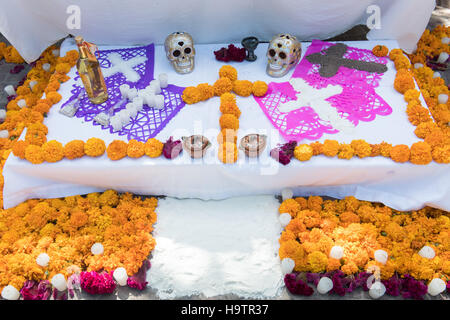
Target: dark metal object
250	43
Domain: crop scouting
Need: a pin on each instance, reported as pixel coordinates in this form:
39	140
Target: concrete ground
440	16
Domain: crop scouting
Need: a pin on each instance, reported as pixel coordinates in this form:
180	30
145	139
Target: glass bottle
90	73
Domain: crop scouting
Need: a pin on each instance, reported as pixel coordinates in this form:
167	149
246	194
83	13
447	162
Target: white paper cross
308	96
124	66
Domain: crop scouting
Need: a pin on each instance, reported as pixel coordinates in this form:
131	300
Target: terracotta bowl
196	145
253	145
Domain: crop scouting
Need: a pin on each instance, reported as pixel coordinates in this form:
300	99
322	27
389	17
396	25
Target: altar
401	186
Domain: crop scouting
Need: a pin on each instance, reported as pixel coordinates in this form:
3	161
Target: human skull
180	51
283	53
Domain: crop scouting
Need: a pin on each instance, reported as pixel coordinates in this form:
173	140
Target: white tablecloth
401	186
31	26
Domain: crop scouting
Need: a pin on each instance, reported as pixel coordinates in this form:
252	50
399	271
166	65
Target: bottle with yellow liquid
91	73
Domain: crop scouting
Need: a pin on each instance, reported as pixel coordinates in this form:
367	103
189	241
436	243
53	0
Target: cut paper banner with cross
134	67
331	90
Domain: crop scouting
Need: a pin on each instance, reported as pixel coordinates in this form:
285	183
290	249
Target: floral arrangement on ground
348	241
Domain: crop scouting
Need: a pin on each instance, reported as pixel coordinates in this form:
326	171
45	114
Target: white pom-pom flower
10	293
287	194
120	275
284	218
381	256
97	248
287	265
59	282
43	259
436	286
427	252
325	285
337	252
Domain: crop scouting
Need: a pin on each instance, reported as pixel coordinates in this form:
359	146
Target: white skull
283	53
180	51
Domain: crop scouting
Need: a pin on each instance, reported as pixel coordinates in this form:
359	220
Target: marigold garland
117	150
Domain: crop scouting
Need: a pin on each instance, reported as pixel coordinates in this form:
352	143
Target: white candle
287	265
381	256
418	65
116	123
22	103
10	91
120	275
59	282
32	84
436	286
56	52
97	248
4	134
2	115
377	290
445	40
442	98
159	101
163	80
443	57
287	194
46	67
10	293
325	285
43	259
337	252
436	75
427	252
284	218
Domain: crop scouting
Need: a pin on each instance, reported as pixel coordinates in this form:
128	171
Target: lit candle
10	293
10	91
120	275
59	282
284	218
287	265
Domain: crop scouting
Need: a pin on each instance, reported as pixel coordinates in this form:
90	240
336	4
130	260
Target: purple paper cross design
148	122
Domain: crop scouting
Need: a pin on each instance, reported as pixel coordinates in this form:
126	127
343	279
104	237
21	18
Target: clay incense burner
196	145
253	145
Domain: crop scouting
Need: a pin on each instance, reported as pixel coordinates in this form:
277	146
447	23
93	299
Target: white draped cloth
31	26
401	186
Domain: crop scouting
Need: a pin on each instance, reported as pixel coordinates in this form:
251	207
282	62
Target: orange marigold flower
303	152
229	72
191	95
52	86
403	83
153	148
243	88
411	95
402	62
227	135
437	138
223	85
380	51
259	88
302	202
37	138
228	152
34	154
78	218
74	149
421	153
63	68
94	147
348	217
441	154
230	108
349	268
346	151
417	114
136	149
53	97
42	108
53	151
400	153
315	203
117	150
376	150
317	261
229	121
38	126
290	206
19	147
362	148
317	147
395	53
330	148
206	91
425	128
228	97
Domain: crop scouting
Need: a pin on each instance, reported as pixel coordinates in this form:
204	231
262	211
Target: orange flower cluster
361	228
227	82
229	124
380	51
430	44
67	228
10	54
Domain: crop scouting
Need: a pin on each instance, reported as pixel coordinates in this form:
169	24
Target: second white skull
283	53
180	51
